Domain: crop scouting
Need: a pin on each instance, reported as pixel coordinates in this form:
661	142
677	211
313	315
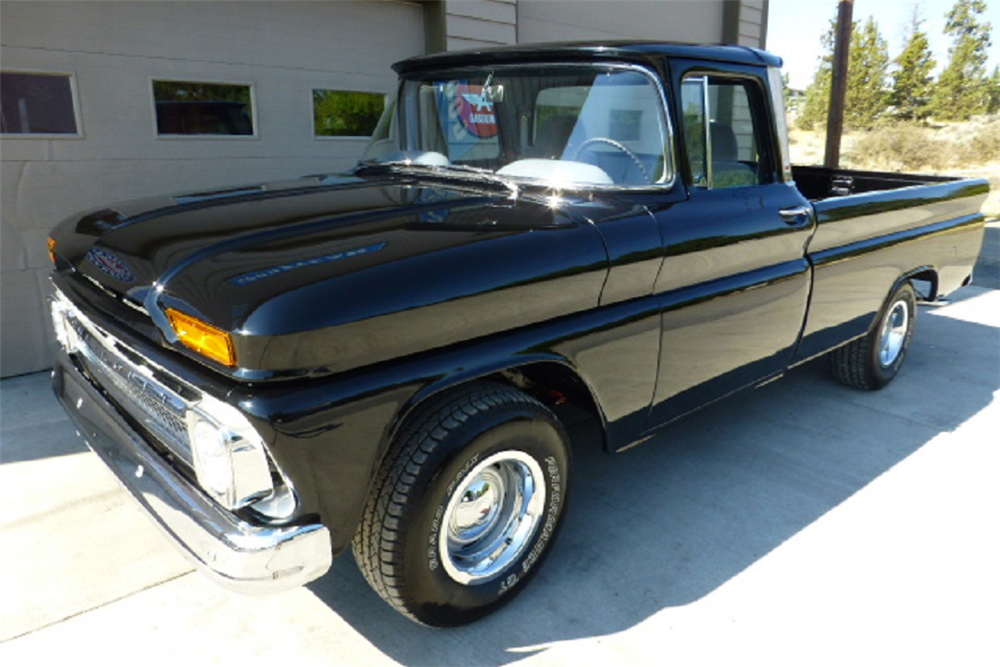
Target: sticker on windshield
469	120
476	112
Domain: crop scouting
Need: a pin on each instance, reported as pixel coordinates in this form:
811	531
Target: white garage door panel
354	36
114	50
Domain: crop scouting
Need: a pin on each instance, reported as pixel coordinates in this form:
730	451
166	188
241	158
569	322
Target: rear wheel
465	506
872	362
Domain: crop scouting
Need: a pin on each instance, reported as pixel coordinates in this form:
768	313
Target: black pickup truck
384	358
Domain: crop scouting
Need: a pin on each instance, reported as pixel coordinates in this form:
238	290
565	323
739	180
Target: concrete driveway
803	523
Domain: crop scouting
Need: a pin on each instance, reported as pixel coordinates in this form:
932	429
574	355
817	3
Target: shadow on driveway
33	424
987	271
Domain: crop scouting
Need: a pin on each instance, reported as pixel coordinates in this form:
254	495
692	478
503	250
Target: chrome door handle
799	215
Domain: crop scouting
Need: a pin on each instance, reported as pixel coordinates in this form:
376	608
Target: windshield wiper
468	169
433	168
481	172
414	164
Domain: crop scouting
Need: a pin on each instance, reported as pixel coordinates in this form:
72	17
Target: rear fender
926	274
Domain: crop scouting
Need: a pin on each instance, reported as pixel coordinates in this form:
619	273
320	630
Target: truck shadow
987	271
668	523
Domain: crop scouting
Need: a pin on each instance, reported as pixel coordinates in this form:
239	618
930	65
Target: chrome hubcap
893	333
478	509
491	517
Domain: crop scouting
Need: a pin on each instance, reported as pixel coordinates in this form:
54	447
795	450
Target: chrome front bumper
241	556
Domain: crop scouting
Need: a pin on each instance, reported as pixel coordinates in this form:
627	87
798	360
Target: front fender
330	434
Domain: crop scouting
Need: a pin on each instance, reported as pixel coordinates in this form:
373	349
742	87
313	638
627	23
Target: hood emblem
110	264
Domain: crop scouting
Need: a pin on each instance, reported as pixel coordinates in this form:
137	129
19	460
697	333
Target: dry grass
969	149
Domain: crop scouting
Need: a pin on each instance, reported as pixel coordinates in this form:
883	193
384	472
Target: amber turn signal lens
203	338
52	249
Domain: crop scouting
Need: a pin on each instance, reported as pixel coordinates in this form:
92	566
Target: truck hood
327	273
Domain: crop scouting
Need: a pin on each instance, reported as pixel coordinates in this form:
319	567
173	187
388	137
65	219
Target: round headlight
229	457
213	460
60	322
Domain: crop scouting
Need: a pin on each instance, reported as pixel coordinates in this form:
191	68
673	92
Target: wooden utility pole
838	86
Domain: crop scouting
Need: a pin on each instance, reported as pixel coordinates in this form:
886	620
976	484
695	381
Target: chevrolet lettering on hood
254	276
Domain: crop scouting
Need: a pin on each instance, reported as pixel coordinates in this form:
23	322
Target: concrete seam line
100	606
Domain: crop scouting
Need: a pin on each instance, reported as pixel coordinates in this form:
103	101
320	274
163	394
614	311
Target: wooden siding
480	23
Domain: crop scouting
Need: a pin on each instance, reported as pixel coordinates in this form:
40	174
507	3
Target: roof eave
617	50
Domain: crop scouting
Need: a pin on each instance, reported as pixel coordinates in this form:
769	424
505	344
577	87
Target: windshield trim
645	70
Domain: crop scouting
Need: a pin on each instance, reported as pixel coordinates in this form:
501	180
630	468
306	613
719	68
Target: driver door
734	285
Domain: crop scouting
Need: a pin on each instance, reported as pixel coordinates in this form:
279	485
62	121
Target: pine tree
993	95
867	70
913	81
962	90
868	66
817	100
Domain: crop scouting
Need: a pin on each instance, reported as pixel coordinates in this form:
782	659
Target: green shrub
983	146
901	147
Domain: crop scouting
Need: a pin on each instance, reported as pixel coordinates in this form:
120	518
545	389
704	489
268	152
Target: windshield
565	124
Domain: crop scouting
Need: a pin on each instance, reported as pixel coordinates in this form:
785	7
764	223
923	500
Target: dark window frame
74	100
313	89
253	115
759	96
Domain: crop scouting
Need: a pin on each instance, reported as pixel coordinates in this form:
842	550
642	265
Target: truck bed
872	228
819	183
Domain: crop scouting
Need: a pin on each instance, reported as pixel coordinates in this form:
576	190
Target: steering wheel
614	144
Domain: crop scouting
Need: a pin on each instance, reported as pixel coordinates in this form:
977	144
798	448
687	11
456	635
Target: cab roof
587	51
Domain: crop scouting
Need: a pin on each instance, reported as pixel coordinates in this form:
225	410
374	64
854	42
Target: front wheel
465	506
872	362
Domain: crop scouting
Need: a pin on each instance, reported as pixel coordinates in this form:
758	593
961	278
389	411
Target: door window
722	134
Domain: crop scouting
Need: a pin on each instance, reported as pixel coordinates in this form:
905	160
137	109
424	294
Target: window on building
719	123
37	104
194	108
343	113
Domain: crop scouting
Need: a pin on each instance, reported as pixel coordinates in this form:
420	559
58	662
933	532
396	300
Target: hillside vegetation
901	116
969	149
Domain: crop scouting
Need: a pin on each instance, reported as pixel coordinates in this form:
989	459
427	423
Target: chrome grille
131	385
